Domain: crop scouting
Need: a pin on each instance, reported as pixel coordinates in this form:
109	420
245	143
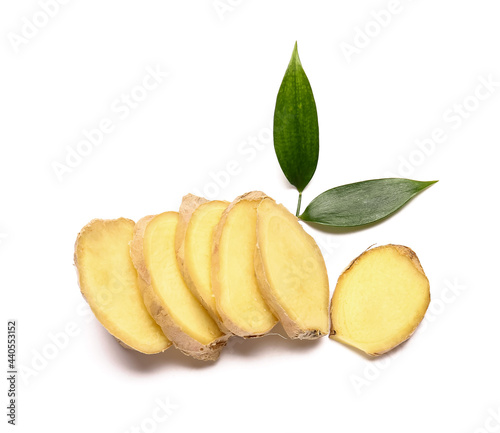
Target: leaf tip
295	53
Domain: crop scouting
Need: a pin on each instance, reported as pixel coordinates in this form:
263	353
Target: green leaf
362	203
296	132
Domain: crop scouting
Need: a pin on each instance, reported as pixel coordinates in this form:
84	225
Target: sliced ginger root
237	294
109	283
380	299
180	315
291	272
198	219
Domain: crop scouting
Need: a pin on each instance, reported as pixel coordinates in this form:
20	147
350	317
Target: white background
224	67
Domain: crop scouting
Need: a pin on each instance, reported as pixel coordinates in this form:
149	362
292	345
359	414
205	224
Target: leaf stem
298	205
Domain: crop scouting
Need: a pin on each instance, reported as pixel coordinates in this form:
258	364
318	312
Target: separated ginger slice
198	219
181	316
291	272
237	295
109	283
380	299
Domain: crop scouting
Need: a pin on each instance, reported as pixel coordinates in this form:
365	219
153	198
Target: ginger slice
380	299
237	295
198	219
109	283
291	272
181	316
